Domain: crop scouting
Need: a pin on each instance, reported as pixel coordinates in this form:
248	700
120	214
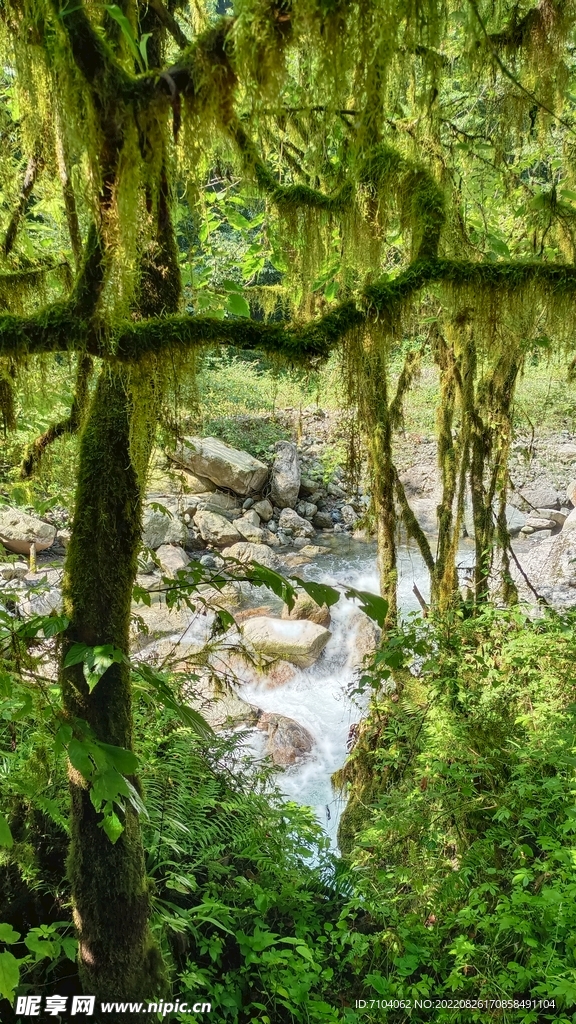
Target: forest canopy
304	180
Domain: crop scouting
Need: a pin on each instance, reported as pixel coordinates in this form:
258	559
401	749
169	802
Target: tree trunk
118	958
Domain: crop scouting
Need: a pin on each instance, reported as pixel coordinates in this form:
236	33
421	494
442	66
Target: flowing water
319	697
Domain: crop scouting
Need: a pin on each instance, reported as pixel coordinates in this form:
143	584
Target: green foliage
466	863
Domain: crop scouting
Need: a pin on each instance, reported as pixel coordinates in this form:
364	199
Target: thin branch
169	22
34	166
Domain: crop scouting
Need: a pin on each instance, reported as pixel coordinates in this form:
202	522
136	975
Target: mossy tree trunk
118	959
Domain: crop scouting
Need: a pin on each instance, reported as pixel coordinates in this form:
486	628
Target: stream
319	697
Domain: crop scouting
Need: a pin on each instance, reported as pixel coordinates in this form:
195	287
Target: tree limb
33	168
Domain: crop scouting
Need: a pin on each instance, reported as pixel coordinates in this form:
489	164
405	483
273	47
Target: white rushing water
319	697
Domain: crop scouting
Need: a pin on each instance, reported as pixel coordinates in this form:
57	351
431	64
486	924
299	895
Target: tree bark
118	958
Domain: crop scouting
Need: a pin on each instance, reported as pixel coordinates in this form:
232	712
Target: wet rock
305	607
247	552
224	466
172	558
290	522
288	741
285	477
264	509
299	641
215	529
18	531
163	527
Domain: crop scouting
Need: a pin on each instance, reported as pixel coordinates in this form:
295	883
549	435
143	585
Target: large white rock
18	531
288	741
298	641
247	552
305	607
290	522
285	479
215	529
223	465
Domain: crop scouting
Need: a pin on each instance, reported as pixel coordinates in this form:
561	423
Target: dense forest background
210	213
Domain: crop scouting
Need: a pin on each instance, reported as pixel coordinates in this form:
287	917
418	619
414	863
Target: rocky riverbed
208	503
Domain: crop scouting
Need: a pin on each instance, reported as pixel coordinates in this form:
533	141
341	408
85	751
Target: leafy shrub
467	865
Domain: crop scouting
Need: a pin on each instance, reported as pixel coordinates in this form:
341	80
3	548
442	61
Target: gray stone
305	607
223	465
172	558
272	526
308	486
288	742
307	509
558	517
541	495
349	515
322	521
291	522
285	477
215	529
248	503
298	641
13	570
162	527
540	524
223	504
264	510
335	491
249	530
18	531
246	552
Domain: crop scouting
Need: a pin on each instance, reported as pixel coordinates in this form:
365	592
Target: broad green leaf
8	935
231	286
125	761
331	290
112	826
70	947
375	607
107	787
5	833
76	655
143	48
237	220
237	305
261	576
9	975
319	592
79	758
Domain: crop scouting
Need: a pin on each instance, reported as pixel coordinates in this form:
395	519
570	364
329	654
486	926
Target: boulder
551	567
305	607
224	504
557	517
569	523
18	531
540	524
308	486
336	491
264	509
250	529
215	529
224	466
197	484
172	558
162	527
288	741
244	551
323	521
298	641
291	523
541	495
307	509
571	492
349	515
285	478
